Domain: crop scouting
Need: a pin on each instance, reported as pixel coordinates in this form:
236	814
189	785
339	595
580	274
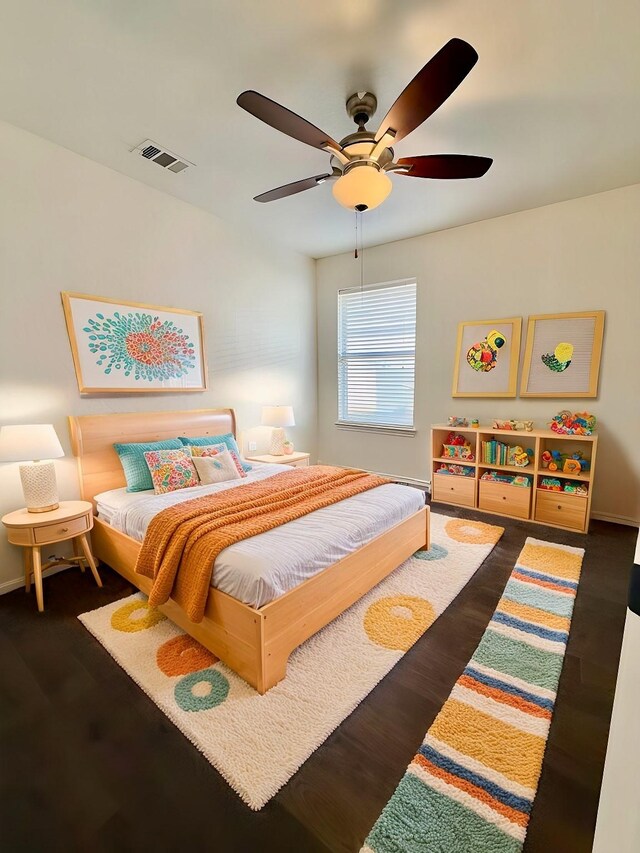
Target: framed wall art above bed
487	355
123	347
562	355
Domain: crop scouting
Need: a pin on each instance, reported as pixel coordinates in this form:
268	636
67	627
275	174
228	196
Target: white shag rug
258	742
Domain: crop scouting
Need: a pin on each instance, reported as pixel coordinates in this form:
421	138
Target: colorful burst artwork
483	356
560	359
126	347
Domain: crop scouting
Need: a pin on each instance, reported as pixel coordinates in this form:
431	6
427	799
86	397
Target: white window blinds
376	354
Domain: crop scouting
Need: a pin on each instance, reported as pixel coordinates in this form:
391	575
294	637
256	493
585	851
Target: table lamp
278	417
34	442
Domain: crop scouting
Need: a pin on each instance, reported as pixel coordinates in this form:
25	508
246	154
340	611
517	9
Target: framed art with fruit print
487	355
123	347
562	355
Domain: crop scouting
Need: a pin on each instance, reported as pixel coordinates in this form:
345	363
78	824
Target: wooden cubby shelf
567	510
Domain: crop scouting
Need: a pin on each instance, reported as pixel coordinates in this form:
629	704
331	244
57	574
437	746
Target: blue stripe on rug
521	804
508	688
530	627
549	578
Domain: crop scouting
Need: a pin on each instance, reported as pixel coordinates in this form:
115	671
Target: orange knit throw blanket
183	541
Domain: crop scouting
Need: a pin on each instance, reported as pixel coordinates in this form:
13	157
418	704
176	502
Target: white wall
575	256
67	223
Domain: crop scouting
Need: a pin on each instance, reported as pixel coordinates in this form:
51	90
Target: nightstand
294	460
31	530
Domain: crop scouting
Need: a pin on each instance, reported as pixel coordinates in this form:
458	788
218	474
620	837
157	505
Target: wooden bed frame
254	642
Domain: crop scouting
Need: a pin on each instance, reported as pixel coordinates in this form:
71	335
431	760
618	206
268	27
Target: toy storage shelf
566	510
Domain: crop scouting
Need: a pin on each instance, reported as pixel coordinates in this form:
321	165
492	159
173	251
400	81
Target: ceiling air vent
162	156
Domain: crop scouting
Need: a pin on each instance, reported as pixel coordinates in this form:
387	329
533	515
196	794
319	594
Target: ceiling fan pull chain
355	254
359	213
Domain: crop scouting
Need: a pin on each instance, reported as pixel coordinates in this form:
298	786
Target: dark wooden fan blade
284	120
291	189
429	88
446	166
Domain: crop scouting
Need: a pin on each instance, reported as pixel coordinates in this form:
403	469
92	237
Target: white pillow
216	469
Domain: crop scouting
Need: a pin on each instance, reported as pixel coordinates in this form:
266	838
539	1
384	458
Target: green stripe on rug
443	825
513	657
472	784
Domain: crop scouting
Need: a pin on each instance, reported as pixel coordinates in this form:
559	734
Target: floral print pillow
171	470
214	450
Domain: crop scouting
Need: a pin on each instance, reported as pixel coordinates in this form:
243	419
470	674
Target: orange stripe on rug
547	584
504	698
473	790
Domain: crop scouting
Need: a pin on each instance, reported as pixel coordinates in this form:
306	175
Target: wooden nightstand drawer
504	498
298	463
61	530
559	508
455	490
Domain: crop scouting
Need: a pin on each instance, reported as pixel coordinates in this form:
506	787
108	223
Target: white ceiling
554	98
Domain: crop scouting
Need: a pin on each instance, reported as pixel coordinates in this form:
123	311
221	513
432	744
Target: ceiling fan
360	162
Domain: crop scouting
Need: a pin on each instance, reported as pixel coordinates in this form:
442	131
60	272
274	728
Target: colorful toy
585	465
509	479
456	470
571	466
519	456
475	423
582	489
570	488
484	355
582	423
458	422
516	426
546	458
551	484
456	446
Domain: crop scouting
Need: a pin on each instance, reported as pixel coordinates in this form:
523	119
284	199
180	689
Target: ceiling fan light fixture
362	187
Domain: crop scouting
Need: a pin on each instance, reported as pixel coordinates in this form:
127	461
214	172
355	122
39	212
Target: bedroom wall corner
68	223
581	254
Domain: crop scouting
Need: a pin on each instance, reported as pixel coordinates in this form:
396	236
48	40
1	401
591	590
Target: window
377	354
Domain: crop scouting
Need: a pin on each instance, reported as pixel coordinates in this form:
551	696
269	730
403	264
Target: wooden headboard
93	437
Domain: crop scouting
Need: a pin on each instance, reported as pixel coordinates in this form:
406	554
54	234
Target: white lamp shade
278	416
29	442
362	185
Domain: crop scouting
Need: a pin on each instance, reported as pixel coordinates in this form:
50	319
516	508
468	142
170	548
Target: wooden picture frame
474	348
121	347
562	355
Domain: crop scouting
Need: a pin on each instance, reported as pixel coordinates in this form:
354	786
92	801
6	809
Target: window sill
405	432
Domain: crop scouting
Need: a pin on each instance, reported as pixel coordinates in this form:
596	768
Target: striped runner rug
471	786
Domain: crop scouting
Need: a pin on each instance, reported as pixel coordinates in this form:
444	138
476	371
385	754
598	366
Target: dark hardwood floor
88	762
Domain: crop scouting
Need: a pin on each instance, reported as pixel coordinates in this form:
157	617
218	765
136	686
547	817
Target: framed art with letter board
562	355
487	355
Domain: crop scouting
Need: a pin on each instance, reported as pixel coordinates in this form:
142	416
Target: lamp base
278	439
39	486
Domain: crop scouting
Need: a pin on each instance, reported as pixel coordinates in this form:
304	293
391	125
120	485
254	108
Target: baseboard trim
16	583
616	519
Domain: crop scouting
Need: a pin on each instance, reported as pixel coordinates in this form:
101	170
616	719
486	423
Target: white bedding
261	568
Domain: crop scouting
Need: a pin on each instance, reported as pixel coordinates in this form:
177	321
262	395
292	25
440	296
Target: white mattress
261	568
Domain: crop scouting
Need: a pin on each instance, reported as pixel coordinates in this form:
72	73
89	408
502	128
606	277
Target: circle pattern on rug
201	690
123	619
182	654
473	532
396	622
436	552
